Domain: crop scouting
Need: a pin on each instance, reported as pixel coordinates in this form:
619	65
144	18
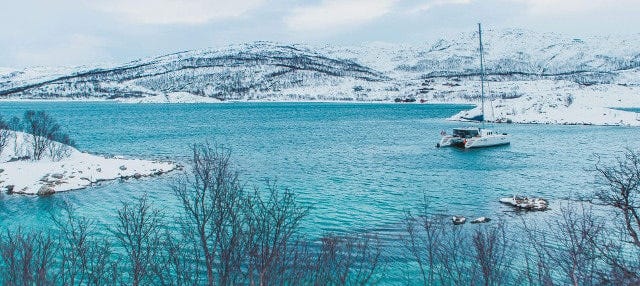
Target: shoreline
577	114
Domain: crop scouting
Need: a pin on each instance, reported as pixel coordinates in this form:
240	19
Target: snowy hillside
531	77
244	72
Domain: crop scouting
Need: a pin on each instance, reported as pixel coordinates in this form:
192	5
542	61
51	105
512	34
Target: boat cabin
466	132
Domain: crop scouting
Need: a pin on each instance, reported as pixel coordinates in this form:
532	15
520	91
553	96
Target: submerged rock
481	219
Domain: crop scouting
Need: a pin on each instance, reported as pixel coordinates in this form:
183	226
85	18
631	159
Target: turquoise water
358	166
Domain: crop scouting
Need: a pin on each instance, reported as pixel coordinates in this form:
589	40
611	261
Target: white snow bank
562	102
77	171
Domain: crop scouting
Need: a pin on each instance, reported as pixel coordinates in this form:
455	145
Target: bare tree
5	134
75	245
46	132
423	239
347	260
15	125
213	204
42	127
138	230
102	267
453	256
174	265
27	258
59	146
619	189
273	221
566	247
492	254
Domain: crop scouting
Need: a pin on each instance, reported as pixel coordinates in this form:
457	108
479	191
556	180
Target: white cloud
177	11
432	4
76	49
566	7
333	14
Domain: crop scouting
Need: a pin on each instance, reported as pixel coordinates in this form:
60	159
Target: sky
98	32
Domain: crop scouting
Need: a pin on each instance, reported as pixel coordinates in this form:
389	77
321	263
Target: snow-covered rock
75	171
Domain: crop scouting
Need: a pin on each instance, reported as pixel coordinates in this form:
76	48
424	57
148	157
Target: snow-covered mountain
530	75
244	72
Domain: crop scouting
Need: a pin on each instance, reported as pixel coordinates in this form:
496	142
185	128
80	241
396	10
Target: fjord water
358	166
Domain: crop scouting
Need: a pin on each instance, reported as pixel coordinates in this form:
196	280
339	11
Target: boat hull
487	141
450	141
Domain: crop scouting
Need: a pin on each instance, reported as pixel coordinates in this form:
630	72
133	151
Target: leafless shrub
15	125
102	267
59	146
176	264
447	254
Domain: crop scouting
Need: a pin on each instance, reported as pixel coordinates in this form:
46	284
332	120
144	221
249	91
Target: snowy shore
76	171
523	101
562	102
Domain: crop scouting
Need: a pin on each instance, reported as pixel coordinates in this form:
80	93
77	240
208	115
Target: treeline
48	139
226	234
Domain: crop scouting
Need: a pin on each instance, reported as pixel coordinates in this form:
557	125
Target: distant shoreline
569	115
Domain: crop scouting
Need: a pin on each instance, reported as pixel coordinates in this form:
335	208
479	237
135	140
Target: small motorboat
526	203
458	219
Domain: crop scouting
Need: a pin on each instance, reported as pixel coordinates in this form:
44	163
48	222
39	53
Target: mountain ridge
519	64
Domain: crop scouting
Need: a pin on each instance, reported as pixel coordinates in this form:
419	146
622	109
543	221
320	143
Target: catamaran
475	137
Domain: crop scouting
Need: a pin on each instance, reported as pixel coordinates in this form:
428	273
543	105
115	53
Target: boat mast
481	73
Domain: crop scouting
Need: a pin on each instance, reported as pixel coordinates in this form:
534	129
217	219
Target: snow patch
77	171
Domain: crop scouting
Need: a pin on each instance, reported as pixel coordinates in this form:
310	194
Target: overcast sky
79	32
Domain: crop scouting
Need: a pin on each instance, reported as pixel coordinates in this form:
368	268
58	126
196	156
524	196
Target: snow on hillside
21	175
561	102
531	75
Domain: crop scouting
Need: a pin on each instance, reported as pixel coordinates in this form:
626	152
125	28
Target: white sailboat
475	137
